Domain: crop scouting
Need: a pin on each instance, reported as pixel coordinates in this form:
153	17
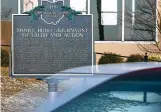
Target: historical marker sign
52	43
52	13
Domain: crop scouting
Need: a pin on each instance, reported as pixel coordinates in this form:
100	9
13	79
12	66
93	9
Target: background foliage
4	58
108	58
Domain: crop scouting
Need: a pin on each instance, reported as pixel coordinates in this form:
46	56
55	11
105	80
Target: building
115	36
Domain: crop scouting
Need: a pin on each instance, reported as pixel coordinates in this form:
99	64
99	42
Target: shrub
108	58
154	58
135	58
4	58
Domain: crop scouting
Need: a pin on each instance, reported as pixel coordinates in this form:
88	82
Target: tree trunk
101	27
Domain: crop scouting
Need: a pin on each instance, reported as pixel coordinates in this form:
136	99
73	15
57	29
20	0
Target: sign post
49	39
53	90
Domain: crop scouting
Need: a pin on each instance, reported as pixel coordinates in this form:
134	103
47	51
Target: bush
135	58
108	58
4	58
154	58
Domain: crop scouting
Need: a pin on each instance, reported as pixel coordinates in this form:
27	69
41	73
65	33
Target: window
80	5
142	25
112	101
109	12
29	4
129	20
121	20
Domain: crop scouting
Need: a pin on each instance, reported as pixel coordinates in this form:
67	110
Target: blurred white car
111	88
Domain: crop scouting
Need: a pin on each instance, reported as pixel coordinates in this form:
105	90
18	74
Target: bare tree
145	25
5	13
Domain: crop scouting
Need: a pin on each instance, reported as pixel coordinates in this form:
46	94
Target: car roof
83	86
150	74
105	69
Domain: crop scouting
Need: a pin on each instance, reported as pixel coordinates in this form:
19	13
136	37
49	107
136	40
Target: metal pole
53	90
145	97
146	57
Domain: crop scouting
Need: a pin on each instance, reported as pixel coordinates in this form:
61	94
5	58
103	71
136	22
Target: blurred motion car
126	88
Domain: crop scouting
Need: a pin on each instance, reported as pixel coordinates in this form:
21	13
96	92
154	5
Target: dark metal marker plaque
43	47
